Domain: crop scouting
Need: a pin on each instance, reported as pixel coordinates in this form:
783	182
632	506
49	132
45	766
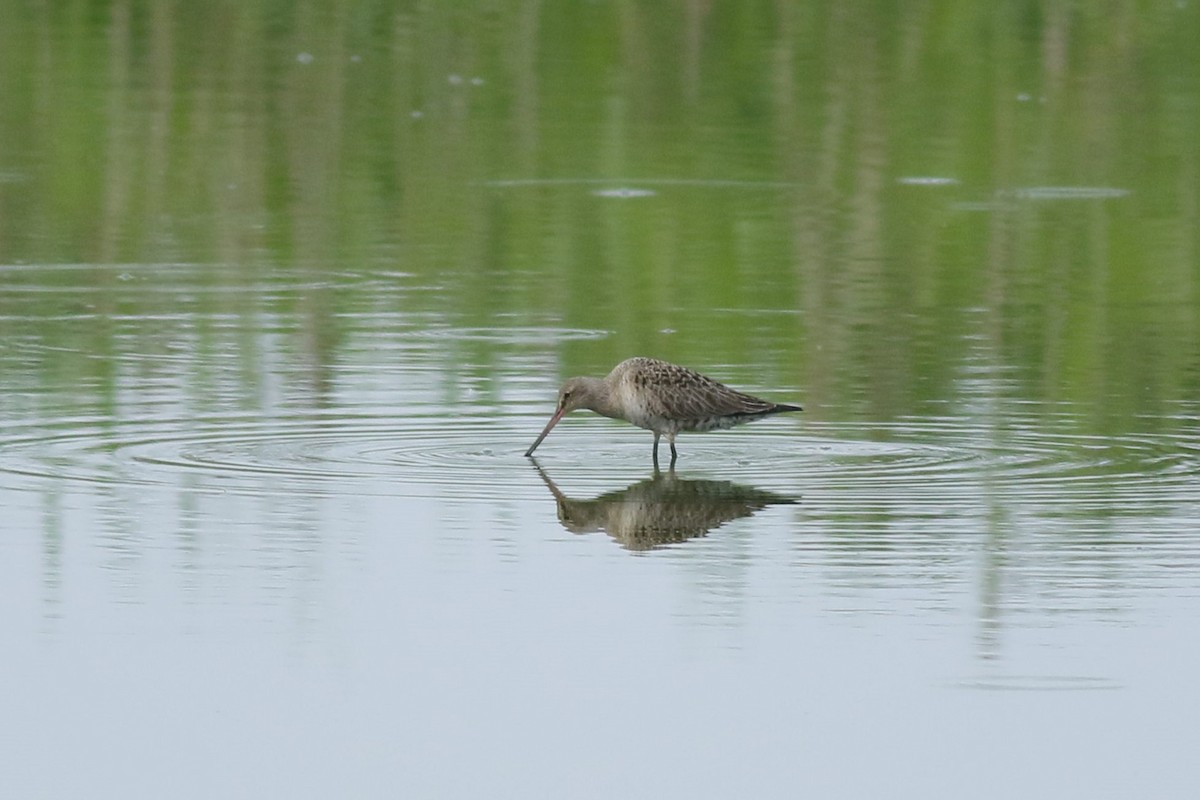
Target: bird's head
575	393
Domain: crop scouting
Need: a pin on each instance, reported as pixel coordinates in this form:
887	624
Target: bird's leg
674	455
656	450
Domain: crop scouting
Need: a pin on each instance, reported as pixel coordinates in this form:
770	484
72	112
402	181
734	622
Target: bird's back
666	397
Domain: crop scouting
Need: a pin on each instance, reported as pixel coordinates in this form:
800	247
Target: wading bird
661	397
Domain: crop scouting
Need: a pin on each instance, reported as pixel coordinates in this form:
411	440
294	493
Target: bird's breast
637	410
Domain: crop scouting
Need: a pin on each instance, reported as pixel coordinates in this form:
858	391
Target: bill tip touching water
661	397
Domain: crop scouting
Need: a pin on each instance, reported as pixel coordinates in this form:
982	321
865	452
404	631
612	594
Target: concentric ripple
943	465
345	455
924	459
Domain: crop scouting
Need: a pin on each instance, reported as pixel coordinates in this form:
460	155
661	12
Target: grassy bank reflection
853	203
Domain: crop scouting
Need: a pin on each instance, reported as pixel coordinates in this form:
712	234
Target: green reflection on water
877	206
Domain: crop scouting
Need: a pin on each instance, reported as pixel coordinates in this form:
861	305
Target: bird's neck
600	398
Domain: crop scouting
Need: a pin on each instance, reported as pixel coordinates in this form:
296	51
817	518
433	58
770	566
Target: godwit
661	397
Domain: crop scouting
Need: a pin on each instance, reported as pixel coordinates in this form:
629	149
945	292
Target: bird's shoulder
645	372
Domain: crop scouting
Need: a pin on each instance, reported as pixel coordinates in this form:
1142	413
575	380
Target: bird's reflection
662	509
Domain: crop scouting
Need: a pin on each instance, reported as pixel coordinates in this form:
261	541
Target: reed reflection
662	509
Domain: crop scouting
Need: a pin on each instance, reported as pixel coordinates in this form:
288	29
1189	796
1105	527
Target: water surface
284	297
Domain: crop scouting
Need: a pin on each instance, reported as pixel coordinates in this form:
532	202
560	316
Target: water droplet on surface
926	180
624	192
1065	192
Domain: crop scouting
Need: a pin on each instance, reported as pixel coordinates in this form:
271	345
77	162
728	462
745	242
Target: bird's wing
676	392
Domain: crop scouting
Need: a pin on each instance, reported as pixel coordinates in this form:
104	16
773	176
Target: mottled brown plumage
661	397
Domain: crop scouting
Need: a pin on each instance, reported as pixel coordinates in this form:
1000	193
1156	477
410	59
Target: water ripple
257	456
946	464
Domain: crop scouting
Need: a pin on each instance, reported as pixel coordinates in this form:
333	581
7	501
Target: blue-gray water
284	297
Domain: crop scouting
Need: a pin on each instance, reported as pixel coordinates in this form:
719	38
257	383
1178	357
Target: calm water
284	299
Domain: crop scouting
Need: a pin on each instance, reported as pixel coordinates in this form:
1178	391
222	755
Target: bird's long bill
549	426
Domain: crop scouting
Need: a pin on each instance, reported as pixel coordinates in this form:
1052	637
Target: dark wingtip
785	407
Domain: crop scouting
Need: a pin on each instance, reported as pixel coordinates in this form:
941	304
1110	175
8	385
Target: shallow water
281	310
324	580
